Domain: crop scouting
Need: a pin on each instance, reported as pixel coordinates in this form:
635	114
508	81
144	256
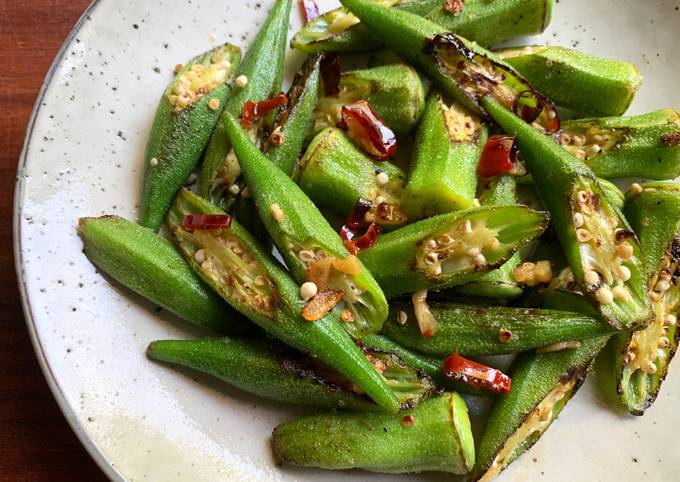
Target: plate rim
67	410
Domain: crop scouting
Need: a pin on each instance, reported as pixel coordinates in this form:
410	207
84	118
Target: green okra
186	116
262	367
609	189
312	250
542	384
493	330
247	276
262	67
638	362
602	250
450	249
646	146
583	83
395	92
335	174
434	436
485	22
150	266
443	175
499	283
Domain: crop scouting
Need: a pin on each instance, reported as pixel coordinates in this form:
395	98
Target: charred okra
150	266
450	249
186	116
585	84
434	436
542	384
236	266
646	146
443	174
602	250
395	92
335	173
313	251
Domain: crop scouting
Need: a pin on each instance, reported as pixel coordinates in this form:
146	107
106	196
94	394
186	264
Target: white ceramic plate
83	156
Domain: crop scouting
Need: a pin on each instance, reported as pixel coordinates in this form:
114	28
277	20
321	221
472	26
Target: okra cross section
450	249
602	250
313	251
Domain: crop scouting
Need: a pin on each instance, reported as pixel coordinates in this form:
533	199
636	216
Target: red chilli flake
454	6
529	106
253	111
499	156
331	73
478	376
205	222
354	224
310	10
365	127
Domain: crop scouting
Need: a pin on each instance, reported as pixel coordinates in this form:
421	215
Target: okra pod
313	251
542	384
434	436
262	70
395	92
646	146
261	367
602	250
485	22
639	361
335	173
186	116
236	266
450	249
493	330
443	174
149	265
583	83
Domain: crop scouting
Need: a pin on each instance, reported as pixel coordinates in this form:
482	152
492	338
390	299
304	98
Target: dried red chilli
499	156
330	73
310	9
478	376
454	6
355	223
253	111
203	222
365	127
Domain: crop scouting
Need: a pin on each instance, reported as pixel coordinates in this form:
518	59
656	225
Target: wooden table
36	444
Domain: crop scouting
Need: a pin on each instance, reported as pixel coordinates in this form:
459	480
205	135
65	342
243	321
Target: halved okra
149	265
499	283
335	173
460	68
434	436
186	116
612	192
238	268
585	84
542	384
482	21
637	363
646	146
312	250
443	175
450	249
262	71
494	330
602	250
395	92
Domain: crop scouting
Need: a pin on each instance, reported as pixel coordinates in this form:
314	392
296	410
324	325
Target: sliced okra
335	173
247	276
434	436
450	249
646	146
313	251
186	116
602	250
609	189
395	92
583	83
443	174
542	384
149	265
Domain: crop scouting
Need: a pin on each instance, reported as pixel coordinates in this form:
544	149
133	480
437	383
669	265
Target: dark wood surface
36	443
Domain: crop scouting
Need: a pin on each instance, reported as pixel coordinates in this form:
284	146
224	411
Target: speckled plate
83	156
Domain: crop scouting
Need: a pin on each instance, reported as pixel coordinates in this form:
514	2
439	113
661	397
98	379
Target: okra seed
505	336
306	256
546	415
347	316
260	280
438	270
431	244
650	367
402	317
241	81
432	258
465	227
234	189
579	140
604	295
480	260
379	200
594	150
621	293
153	162
199	256
670	320
382	178
578	220
476	203
445	240
580	155
629	357
472	252
592	278
654	295
582	196
662	286
214	104
624	251
664	342
277	212
624	273
636	189
583	235
308	290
